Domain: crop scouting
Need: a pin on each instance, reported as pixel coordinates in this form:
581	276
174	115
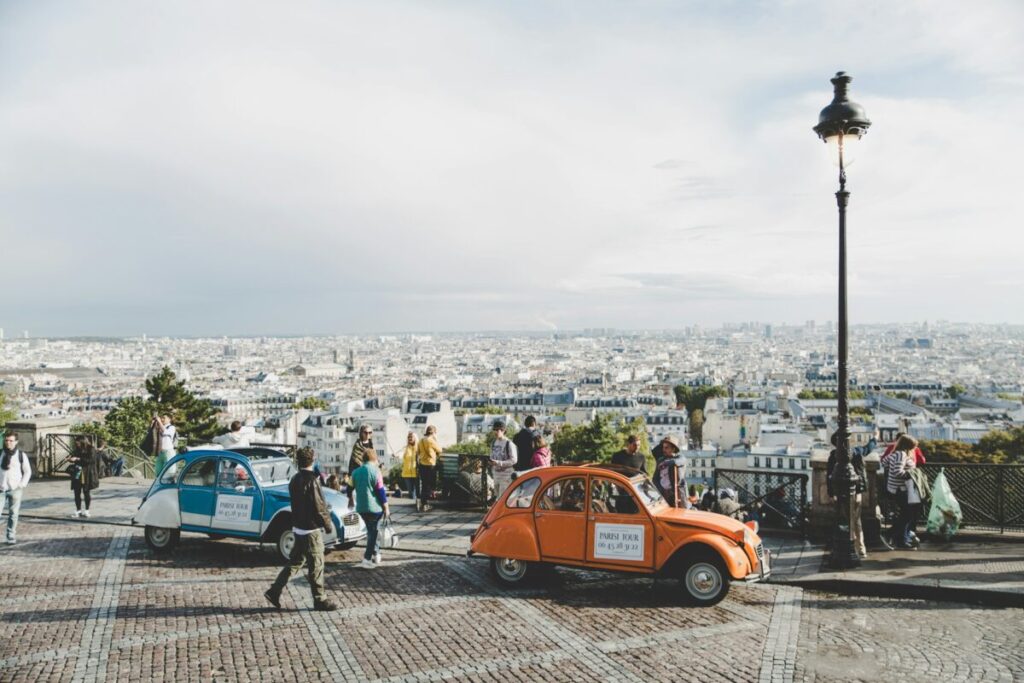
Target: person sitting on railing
114	466
728	506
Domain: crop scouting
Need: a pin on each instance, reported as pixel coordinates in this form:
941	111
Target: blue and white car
234	494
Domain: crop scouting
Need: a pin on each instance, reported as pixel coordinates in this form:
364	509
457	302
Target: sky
196	168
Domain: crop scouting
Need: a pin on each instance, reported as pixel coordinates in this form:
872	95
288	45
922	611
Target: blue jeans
372	520
411	486
13	501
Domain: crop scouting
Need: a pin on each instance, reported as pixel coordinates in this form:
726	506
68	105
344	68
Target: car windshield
647	492
271	472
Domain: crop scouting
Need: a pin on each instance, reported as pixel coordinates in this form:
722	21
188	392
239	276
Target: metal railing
776	500
55	449
991	496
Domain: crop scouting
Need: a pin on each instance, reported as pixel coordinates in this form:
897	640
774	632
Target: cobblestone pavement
92	603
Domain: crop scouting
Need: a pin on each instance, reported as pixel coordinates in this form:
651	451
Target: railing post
1001	499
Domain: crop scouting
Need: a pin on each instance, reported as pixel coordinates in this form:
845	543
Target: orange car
612	517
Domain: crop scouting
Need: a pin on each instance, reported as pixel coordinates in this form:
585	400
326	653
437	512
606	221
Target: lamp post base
844	553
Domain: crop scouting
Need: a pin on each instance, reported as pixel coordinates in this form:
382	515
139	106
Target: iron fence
776	500
991	496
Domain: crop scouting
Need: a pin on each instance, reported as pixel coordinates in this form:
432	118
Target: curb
79	520
912	589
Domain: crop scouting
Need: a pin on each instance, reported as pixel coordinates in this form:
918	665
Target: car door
561	521
196	494
620	532
238	509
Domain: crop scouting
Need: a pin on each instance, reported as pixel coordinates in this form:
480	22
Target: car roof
585	468
264	455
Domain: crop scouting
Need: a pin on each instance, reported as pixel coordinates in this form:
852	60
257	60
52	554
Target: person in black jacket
84	472
524	444
309	516
630	456
857	460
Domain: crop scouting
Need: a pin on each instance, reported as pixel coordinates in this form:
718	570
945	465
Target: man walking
524	443
15	472
309	516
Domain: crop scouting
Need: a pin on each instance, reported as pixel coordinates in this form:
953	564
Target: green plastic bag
945	516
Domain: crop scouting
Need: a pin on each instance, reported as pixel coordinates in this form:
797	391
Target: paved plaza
90	602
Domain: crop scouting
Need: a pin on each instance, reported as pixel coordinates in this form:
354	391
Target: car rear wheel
285	543
704	580
511	572
160	538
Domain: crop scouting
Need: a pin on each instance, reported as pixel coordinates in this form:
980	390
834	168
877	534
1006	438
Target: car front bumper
764	566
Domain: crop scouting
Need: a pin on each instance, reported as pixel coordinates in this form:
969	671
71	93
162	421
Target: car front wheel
285	543
511	572
160	538
704	581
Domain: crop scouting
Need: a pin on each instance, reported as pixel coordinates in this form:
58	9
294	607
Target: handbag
388	535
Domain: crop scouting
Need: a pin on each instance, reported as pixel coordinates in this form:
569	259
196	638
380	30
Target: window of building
792	464
757	461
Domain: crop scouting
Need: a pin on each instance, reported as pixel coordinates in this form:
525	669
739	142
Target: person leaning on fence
15	473
409	478
728	506
854	508
428	451
310	518
897	465
371	503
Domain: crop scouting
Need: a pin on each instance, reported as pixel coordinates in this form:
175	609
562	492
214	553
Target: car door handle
591	518
537	515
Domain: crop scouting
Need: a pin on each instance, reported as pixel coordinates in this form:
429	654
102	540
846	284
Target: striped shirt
897	465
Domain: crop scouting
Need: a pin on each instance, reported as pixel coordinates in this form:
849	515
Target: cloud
470	164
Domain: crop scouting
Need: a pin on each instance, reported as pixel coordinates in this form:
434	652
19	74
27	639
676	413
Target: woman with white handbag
371	503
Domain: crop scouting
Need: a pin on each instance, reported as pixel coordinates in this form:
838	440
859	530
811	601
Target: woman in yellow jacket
427	454
409	466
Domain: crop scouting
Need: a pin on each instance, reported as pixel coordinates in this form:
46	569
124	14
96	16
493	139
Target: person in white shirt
232	439
15	472
504	456
168	437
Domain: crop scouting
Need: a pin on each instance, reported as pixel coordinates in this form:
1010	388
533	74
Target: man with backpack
504	456
15	472
523	441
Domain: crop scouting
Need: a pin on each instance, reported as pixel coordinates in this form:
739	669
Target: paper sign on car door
233	509
618	541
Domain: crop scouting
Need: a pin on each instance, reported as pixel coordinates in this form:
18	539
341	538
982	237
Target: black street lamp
841	124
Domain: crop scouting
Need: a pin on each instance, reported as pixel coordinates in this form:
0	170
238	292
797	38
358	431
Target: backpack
512	451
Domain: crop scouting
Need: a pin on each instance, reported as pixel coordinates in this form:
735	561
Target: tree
595	441
195	418
694	398
6	414
1002	446
955	390
940	450
312	403
126	424
478	447
697	428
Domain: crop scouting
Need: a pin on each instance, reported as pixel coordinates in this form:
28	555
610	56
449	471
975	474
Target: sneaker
273	599
367	564
325	606
85	513
427	508
11	541
376	558
75	514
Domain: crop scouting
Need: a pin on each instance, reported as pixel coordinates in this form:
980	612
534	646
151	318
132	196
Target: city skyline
250	170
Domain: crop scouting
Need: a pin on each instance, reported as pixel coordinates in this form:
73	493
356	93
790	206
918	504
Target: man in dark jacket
309	516
630	456
524	444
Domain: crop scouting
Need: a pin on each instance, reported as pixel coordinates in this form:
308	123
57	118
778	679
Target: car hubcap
160	536
510	569
703	580
287	543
